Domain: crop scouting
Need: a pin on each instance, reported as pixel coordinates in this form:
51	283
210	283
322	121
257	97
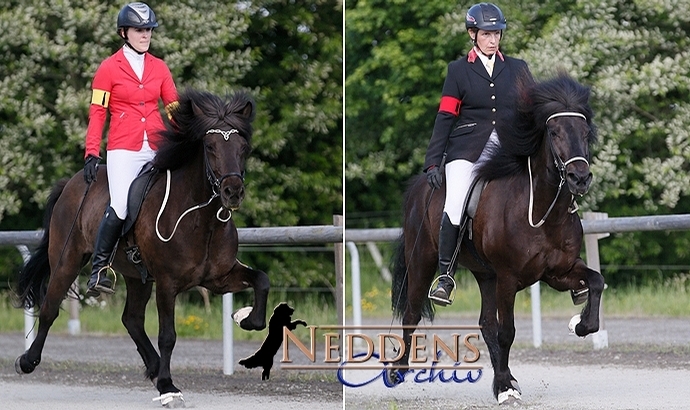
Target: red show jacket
133	104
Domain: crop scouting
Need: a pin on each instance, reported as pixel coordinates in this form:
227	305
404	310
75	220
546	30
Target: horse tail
32	283
399	283
399	286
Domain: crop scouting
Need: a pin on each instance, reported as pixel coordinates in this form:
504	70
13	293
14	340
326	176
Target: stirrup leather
437	300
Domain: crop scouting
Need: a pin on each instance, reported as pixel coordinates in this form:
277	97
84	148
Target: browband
566	114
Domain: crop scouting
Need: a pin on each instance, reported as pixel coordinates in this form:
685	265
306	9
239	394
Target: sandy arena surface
646	366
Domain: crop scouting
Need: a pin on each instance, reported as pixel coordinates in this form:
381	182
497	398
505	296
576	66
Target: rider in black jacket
477	96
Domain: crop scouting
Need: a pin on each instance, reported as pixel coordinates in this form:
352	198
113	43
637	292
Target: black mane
523	137
184	134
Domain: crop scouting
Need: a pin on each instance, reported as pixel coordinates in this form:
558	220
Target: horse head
226	147
569	136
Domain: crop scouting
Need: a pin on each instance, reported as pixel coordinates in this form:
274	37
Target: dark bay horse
184	231
525	229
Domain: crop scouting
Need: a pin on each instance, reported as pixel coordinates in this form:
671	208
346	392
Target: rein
215	186
560	166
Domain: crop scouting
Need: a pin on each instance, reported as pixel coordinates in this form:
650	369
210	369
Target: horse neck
191	180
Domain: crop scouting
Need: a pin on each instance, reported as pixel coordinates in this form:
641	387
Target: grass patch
659	299
192	320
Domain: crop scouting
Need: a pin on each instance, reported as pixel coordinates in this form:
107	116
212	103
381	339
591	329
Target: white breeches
459	177
123	167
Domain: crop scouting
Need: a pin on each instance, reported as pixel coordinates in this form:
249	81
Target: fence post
228	357
74	324
600	339
339	275
29	332
535	298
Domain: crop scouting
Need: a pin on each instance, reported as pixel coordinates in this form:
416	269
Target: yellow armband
100	97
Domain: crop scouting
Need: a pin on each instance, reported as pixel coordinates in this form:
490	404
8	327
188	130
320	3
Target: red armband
450	105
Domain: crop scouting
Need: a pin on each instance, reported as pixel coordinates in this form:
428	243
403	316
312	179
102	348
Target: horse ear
248	111
197	110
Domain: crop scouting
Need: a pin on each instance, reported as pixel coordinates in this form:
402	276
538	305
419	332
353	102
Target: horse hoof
171	400
515	385
23	366
573	322
394	377
509	397
240	314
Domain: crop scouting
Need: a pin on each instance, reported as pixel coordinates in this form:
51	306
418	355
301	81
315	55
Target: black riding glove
90	168
434	176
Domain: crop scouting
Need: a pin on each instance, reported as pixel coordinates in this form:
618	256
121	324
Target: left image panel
171	200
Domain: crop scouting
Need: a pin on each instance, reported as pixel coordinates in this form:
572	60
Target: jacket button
493	122
493	110
141	103
143	119
491	85
493	97
142	85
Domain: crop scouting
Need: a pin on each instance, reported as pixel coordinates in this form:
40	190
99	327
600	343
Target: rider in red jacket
128	86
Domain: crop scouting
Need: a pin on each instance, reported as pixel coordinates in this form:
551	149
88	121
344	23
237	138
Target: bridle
215	181
215	187
560	166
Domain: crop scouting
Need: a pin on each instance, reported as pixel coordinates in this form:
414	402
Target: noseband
560	166
216	182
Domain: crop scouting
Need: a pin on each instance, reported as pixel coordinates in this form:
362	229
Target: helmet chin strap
123	34
134	49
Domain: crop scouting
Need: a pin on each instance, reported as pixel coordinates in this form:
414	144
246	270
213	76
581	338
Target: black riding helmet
137	15
485	16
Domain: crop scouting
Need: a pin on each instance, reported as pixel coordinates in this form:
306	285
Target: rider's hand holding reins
90	168
434	176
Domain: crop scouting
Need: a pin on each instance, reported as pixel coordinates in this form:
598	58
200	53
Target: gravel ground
646	366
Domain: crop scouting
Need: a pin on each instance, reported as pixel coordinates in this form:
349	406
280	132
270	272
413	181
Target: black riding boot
108	233
447	241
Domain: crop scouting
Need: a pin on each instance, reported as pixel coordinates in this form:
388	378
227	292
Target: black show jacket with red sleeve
472	105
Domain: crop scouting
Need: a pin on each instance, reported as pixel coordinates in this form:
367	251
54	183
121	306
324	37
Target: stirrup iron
434	285
104	289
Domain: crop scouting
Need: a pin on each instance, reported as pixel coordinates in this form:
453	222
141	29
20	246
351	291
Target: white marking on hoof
573	322
241	314
509	396
166	398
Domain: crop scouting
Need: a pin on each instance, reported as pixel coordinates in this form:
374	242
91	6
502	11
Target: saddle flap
472	201
137	192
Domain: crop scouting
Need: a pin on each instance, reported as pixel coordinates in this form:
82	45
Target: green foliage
634	55
287	55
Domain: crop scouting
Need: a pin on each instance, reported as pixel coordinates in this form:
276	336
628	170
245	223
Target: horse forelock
186	130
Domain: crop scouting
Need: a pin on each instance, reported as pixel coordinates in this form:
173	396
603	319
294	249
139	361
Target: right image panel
516	200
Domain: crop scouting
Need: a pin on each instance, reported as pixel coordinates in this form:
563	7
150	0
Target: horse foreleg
242	276
579	277
589	318
133	317
165	302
